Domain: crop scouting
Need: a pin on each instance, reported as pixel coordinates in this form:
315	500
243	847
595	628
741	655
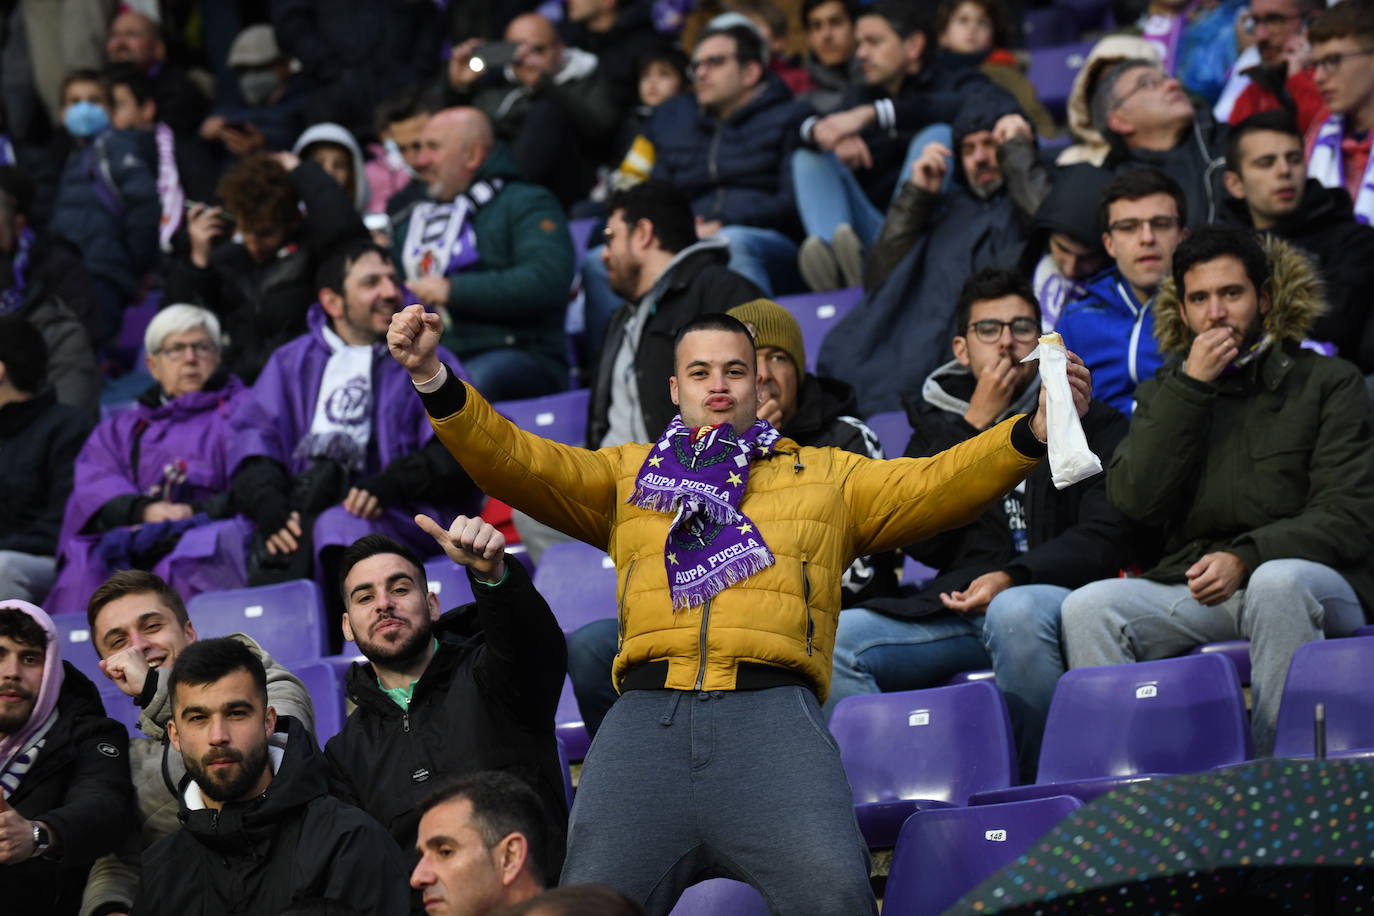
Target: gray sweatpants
680	786
1285	604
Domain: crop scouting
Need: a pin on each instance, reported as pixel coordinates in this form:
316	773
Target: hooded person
1091	146
64	773
335	150
259	827
1064	247
161	465
931	242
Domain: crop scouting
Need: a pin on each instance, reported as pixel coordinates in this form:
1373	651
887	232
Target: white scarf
169	192
342	425
1325	165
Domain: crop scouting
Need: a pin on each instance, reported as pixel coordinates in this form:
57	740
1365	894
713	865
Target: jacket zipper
806	598
620	609
701	645
405	721
1132	368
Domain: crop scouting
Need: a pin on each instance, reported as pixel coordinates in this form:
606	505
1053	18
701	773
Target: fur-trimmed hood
1297	294
1091	146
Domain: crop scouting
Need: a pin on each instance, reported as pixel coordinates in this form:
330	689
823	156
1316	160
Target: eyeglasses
712	62
1132	226
1330	63
178	351
1152	79
1273	21
989	330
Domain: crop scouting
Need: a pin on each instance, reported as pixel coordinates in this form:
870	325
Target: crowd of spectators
210	213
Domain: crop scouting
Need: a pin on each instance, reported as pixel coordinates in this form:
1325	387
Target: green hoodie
1273	462
517	292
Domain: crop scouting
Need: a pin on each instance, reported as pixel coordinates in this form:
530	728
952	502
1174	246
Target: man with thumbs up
441	696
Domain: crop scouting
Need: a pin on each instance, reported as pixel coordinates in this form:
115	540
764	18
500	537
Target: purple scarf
12	296
701	474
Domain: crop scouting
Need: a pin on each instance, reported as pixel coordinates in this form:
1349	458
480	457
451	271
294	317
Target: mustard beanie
774	326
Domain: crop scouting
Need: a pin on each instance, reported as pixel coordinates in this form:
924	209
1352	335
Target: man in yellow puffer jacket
716	759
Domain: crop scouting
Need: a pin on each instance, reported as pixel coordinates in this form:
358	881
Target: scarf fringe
718	580
670	501
335	446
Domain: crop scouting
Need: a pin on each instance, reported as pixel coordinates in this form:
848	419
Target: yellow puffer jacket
817	509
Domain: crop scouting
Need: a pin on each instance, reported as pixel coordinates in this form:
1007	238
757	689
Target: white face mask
394	160
257	86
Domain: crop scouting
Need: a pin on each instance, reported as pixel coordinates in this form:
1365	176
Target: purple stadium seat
1367	630
1092	15
578	581
1052	71
581	232
1237	650
1050	26
1117	724
921	749
944	853
968	677
817	313
1331	672
287	619
75	637
894	431
561	417
323	680
720	897
567	724
119	707
449	583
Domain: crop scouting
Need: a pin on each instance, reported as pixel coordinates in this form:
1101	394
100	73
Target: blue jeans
508	373
828	194
743	783
1018	639
591	650
765	256
599	302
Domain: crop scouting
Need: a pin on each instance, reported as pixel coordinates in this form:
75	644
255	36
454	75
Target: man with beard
445	696
328	446
1254	456
243	848
64	785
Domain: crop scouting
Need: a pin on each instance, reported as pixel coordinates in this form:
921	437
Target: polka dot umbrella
1270	836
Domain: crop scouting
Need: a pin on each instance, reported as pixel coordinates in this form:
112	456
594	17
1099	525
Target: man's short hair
1138	183
178	319
23	629
664	53
257	193
501	805
133	582
748	43
712	321
371	545
1347	19
991	283
210	660
333	270
575	900
851	8
24	354
84	75
664	205
993	9
1213	241
139	84
1104	99
904	17
411	102
1277	121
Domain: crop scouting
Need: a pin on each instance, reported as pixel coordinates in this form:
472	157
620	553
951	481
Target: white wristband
434	382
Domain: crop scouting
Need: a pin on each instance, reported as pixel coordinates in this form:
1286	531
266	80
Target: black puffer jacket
262	306
79	786
695	283
292	842
39	442
486	702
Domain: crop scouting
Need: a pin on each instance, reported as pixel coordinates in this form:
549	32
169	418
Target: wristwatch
42	840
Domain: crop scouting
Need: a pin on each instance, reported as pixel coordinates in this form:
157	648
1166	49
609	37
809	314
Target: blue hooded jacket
1114	333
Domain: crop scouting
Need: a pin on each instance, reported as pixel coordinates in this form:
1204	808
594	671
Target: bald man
491	253
552	105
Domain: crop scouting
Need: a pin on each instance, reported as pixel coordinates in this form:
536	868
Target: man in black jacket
1003	576
39	442
259	829
440	697
262	287
1266	176
65	795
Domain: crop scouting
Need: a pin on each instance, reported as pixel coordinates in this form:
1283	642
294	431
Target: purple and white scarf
1326	166
169	192
12	297
440	238
701	474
